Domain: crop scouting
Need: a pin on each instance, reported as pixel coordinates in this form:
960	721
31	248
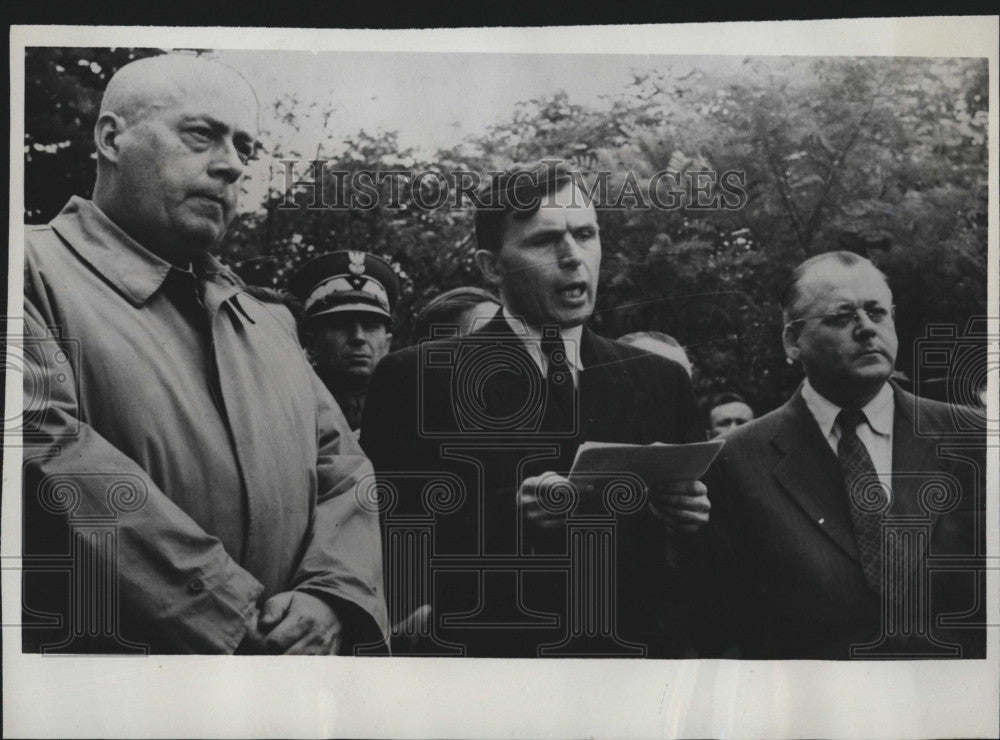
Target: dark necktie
559	396
866	497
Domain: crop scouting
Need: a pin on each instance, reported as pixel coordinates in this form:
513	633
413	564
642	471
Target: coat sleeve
172	577
343	557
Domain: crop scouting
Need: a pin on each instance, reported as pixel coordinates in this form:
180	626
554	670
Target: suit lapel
503	391
913	457
607	389
809	473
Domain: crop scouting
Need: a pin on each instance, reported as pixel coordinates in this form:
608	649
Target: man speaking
189	418
498	416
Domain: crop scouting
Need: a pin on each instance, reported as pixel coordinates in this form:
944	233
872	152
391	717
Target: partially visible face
843	361
181	163
549	263
727	416
475	317
349	344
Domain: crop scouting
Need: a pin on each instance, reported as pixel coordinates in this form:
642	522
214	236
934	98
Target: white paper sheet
653	463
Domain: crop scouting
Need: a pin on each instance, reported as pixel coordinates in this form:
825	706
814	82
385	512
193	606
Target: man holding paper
504	410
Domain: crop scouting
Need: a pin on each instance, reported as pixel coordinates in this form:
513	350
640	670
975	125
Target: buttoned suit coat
463	407
787	581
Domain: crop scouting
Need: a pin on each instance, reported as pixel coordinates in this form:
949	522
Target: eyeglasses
842	319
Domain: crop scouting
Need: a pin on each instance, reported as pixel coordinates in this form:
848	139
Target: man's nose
864	326
356	333
226	162
570	253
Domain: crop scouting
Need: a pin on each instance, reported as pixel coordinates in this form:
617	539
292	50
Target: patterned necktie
559	397
866	496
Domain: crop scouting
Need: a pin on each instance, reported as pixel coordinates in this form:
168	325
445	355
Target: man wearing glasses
831	514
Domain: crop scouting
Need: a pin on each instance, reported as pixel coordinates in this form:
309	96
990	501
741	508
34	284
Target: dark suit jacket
788	582
473	409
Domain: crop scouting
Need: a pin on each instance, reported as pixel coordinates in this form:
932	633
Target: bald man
177	411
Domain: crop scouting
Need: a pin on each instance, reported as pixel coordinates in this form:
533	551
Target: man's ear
106	135
488	265
790	341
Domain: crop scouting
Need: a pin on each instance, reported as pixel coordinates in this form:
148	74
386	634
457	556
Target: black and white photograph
483	382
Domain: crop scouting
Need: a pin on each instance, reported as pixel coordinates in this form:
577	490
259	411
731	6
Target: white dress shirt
532	338
876	435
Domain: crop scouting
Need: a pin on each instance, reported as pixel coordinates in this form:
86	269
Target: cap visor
353	308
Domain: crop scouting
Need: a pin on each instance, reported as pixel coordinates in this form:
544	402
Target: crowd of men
277	482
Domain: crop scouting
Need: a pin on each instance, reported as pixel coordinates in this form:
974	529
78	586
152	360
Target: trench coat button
196	586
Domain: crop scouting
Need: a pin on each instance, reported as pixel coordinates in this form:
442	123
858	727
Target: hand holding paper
669	472
537	496
653	464
682	505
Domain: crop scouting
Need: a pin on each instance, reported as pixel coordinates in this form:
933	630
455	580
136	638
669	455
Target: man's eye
877	313
842	319
199	134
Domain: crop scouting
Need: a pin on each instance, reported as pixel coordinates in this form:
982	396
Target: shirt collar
878	411
129	266
532	337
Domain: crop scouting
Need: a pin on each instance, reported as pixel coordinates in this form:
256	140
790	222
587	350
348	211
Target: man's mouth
573	291
870	353
217	199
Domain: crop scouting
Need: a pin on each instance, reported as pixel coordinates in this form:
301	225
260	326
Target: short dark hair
714	400
718	399
516	193
447	308
792	293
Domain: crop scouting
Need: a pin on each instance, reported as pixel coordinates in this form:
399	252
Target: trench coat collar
135	271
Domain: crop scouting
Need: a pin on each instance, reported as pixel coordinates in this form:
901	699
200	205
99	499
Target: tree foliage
882	156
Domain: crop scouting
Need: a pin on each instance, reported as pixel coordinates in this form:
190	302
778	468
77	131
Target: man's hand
546	499
253	640
682	505
296	623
